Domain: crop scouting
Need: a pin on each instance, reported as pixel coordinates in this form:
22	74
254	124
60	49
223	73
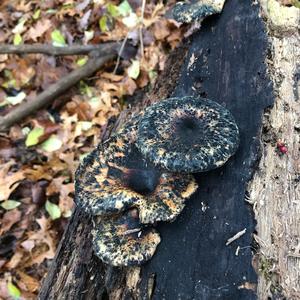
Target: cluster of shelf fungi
143	174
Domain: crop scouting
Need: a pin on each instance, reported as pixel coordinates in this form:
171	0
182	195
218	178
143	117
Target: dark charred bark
225	62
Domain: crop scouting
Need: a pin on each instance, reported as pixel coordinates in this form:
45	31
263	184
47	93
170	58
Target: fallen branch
55	90
55	51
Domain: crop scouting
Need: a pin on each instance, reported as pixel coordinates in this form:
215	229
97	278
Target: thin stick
141	27
46	97
55	51
236	236
120	53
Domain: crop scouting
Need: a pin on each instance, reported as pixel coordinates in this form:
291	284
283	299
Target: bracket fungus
115	177
194	10
187	134
122	240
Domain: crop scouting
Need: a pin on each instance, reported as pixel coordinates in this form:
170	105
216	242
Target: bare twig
55	51
55	90
120	53
236	236
141	27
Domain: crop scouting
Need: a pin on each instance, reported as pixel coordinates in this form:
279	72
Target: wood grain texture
225	62
275	190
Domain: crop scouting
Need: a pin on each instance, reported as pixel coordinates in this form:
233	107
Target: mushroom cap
115	177
187	134
123	241
193	10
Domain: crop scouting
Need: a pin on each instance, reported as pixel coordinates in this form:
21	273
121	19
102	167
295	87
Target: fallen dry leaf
27	283
38	29
10	218
9	180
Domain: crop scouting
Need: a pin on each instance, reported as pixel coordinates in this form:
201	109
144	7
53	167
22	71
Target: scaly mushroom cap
123	241
187	134
115	177
189	11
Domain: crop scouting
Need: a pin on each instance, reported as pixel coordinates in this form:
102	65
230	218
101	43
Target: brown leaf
69	159
7	150
44	240
65	200
39	172
9	181
27	283
28	245
39	192
161	30
143	79
38	30
10	218
15	260
129	86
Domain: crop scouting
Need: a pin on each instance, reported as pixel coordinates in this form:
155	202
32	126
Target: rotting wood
228	64
275	188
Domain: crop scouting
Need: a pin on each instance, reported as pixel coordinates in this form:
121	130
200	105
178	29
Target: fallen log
208	252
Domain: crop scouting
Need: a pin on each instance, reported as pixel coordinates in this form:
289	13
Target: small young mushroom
122	240
187	134
194	10
115	177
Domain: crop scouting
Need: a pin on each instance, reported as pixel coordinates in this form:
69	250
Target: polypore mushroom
122	240
187	134
115	177
194	10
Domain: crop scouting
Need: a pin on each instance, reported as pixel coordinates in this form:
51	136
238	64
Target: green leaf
124	8
53	210
113	10
103	23
36	14
134	69
17	39
10	204
52	144
81	61
33	136
85	89
16	99
51	11
58	39
13	291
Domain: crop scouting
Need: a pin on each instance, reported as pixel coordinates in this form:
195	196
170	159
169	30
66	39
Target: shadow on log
226	63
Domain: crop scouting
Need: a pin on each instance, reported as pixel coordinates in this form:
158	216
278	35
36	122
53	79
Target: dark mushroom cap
115	177
123	241
193	10
187	134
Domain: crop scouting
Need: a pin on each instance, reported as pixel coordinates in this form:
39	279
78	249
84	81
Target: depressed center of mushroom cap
142	181
189	130
140	176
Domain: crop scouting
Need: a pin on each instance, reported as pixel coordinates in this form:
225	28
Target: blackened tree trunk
234	59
